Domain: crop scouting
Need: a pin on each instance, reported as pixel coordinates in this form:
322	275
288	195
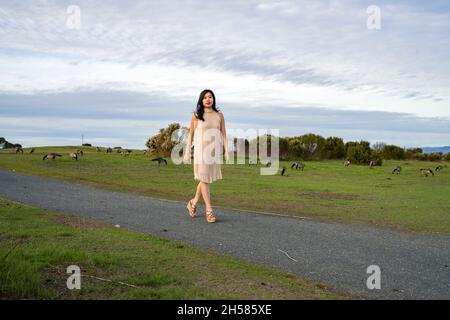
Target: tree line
309	146
5	144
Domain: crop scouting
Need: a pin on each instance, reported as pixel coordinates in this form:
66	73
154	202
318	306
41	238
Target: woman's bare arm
224	133
191	130
187	151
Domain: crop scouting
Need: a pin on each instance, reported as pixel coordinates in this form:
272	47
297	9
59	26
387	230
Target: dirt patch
79	222
329	195
54	280
249	289
231	282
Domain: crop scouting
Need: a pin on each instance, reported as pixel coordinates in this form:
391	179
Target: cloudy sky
117	71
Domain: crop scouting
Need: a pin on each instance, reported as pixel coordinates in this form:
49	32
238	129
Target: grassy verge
324	191
37	246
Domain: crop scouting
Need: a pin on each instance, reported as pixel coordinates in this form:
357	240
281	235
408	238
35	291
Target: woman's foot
210	216
192	207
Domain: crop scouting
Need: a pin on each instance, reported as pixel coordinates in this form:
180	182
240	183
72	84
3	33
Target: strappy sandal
191	208
210	216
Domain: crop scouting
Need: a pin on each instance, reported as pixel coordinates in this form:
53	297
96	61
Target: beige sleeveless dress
208	147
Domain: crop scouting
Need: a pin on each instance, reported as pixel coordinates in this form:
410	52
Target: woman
208	129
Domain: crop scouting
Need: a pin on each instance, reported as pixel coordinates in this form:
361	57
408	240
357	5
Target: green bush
162	143
435	156
359	152
393	152
413	154
8	145
332	148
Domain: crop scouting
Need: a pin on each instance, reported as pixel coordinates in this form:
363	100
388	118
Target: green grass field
37	246
324	191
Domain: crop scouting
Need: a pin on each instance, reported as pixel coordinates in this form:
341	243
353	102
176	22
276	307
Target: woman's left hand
187	157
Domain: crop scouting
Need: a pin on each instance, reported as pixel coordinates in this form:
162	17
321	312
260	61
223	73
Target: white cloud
33	75
283	7
256	53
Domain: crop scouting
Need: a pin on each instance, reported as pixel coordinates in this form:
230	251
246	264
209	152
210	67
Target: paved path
412	266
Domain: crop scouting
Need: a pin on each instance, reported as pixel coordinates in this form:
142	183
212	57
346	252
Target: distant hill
444	150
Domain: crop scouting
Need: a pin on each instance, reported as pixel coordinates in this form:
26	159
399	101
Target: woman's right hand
226	156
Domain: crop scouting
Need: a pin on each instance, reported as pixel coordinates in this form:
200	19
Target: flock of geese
296	165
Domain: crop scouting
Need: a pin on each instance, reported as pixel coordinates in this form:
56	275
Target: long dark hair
200	108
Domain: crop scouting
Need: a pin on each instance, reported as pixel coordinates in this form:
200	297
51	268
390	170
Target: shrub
422	156
393	152
7	145
435	156
305	147
332	148
162	143
359	152
413	154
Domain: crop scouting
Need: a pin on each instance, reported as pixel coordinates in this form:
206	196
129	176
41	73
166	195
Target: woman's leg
198	194
205	193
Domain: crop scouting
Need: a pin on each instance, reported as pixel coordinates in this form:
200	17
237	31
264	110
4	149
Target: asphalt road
413	266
